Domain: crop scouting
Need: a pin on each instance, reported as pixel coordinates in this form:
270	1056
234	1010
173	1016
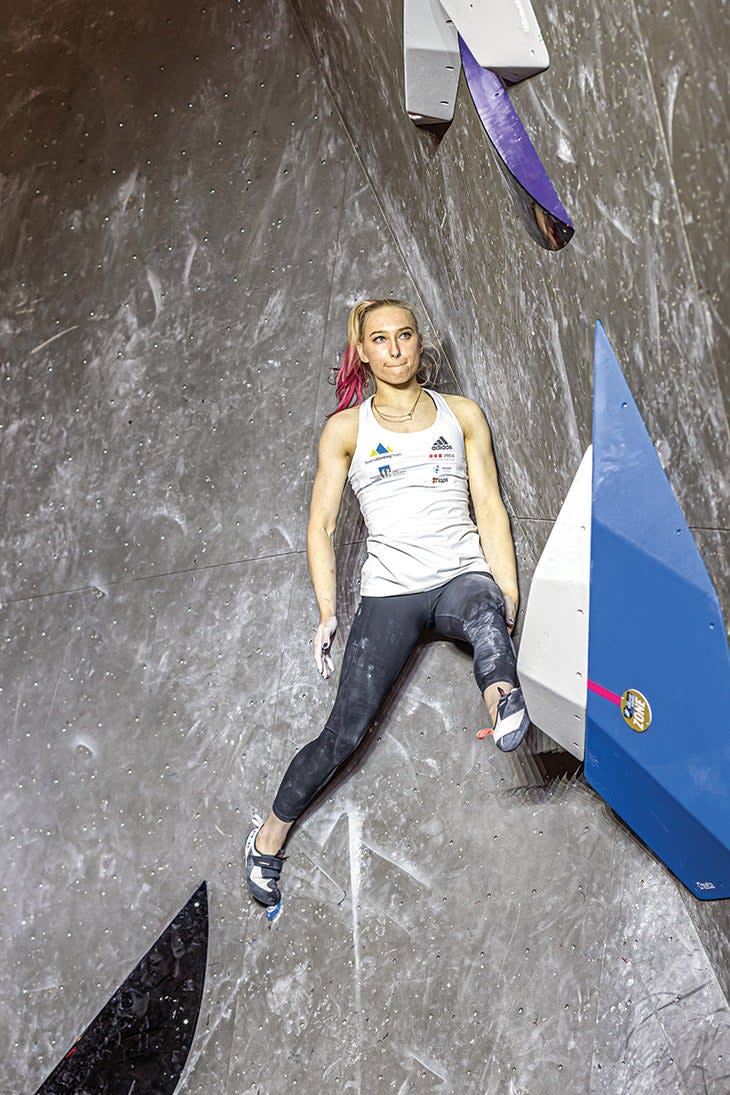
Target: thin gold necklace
399	417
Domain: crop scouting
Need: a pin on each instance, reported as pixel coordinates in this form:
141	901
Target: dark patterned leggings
384	632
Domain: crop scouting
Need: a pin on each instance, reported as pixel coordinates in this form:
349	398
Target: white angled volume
503	35
553	658
432	61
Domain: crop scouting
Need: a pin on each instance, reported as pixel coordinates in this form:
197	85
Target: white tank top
413	493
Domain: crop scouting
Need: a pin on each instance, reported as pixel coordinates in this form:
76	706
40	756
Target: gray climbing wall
191	199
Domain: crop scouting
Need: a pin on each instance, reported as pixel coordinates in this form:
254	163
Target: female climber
413	458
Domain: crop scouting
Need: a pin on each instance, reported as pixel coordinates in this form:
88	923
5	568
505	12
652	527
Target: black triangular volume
140	1040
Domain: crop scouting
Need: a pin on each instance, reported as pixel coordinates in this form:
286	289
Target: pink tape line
604	693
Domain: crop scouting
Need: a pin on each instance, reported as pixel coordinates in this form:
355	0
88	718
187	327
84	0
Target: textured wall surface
191	198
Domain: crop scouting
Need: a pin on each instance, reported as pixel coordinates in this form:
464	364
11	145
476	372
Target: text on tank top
414	496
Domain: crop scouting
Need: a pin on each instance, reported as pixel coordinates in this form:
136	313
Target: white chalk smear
403	864
613	218
53	338
673	78
189	261
156	286
565	152
125	190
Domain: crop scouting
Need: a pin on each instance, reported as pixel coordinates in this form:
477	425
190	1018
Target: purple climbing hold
545	216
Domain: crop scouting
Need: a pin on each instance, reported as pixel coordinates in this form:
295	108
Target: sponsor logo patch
380	451
636	710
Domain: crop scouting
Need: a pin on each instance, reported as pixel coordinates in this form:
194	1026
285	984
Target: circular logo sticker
636	710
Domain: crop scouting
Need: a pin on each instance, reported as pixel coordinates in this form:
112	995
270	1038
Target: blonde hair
353	375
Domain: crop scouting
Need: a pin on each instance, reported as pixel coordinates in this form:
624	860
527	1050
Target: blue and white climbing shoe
512	721
262	871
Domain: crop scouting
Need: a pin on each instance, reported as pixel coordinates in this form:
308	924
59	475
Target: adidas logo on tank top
413	493
441	450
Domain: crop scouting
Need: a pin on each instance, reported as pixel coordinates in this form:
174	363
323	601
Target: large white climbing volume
503	35
553	658
432	61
